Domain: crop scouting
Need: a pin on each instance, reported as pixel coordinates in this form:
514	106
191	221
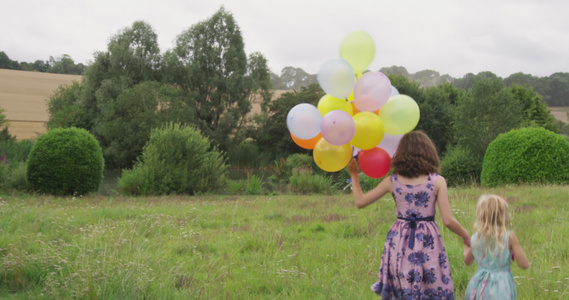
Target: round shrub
459	166
65	161
527	155
176	159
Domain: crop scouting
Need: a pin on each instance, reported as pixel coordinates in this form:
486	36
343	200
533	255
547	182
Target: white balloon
303	121
337	78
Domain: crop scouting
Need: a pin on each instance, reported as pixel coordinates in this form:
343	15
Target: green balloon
358	49
400	115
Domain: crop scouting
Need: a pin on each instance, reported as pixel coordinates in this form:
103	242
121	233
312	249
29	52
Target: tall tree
487	110
209	63
534	109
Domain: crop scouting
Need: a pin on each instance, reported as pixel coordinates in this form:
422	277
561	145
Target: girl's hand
352	167
466	241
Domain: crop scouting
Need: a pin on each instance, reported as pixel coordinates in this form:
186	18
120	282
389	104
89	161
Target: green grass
246	247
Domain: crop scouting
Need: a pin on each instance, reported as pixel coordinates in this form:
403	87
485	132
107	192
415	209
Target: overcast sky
452	37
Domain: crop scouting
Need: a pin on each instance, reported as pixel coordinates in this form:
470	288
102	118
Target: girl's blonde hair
492	223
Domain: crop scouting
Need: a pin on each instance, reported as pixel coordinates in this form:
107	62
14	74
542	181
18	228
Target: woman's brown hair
416	155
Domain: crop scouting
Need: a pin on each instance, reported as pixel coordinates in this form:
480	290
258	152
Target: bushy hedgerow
176	160
65	161
460	166
527	155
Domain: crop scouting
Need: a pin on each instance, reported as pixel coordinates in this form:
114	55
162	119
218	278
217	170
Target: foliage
136	181
64	109
17	151
65	161
209	63
292	78
125	122
305	182
63	65
272	135
487	110
460	167
534	108
527	155
178	160
17	177
247	155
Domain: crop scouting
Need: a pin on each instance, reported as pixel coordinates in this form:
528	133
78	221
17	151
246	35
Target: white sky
452	37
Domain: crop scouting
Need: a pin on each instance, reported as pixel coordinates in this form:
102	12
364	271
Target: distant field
23	95
560	113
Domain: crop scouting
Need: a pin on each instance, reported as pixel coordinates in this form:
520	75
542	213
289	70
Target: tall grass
246	247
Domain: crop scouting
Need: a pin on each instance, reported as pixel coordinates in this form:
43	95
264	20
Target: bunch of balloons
361	115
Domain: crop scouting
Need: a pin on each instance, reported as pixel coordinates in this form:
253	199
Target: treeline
553	88
61	65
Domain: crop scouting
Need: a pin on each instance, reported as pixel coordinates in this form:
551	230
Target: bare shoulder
441	182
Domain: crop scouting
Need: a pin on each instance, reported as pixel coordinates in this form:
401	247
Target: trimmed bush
527	155
459	166
65	161
176	160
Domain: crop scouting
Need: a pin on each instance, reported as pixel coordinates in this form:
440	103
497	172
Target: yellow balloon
329	103
331	158
369	130
358	49
400	115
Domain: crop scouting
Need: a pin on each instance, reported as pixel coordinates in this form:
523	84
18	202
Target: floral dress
493	279
414	263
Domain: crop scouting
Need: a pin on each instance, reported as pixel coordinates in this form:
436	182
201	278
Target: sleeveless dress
493	279
414	263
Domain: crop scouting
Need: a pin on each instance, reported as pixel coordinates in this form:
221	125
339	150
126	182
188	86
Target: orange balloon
306	144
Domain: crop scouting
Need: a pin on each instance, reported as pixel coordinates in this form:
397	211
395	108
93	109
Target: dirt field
560	113
23	95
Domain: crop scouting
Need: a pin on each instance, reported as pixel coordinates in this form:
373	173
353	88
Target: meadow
247	247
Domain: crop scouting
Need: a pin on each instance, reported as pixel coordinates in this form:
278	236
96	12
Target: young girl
414	263
492	246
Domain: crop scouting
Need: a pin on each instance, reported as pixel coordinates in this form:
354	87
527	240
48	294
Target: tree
534	109
7	63
487	110
125	122
41	66
294	78
209	63
395	70
133	56
63	65
63	108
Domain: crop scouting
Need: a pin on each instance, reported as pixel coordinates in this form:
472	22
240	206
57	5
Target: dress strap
412	219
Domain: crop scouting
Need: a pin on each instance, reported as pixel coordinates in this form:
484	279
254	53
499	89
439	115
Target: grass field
253	247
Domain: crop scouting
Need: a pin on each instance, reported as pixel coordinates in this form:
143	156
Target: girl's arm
518	252
444	207
467	255
360	199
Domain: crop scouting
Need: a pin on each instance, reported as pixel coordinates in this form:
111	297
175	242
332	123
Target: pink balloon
390	143
375	162
338	127
372	91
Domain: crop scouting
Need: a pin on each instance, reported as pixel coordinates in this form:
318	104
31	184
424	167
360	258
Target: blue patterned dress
414	263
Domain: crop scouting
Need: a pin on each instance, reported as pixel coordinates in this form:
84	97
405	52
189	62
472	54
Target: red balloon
374	162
